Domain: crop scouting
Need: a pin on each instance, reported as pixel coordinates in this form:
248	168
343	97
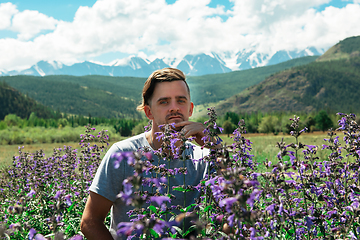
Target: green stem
302	182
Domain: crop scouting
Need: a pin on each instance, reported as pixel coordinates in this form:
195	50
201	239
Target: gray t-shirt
108	180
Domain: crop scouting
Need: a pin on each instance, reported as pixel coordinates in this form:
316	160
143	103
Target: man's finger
181	124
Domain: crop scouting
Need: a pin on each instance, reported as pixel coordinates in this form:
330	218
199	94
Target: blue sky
61	10
106	30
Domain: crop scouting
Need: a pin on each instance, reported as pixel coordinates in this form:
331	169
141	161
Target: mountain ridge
192	65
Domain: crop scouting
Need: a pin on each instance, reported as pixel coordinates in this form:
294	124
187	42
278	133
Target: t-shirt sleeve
108	179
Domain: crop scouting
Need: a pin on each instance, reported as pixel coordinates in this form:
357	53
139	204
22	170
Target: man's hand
192	129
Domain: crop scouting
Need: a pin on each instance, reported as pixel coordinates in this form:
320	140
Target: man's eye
163	102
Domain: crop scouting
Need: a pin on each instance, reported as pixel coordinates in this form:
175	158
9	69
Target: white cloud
29	23
7	10
187	26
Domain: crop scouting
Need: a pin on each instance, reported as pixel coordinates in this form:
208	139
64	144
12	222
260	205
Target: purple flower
159	199
119	156
281	208
31	193
159	225
127	187
271	209
39	237
231	220
125	228
58	194
309	222
31	233
76	237
68	199
211	181
252	197
228	202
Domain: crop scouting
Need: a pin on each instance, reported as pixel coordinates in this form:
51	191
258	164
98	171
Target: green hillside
13	102
216	87
345	49
332	85
75	95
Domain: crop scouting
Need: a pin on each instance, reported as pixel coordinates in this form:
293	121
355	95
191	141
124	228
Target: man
166	99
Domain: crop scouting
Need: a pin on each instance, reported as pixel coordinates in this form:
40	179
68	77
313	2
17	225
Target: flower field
307	192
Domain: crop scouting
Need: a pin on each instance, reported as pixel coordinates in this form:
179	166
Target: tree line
278	122
122	126
256	122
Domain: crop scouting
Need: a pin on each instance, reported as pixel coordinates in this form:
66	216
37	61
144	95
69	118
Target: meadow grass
263	146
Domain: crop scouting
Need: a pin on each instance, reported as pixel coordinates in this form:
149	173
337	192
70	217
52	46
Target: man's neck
151	138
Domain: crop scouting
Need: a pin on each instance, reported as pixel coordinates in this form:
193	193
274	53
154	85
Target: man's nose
174	107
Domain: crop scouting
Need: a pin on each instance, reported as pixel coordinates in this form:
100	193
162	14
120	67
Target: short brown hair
161	75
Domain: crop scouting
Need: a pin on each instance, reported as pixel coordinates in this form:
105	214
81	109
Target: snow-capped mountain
193	65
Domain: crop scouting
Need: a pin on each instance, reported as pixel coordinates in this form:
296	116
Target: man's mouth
175	117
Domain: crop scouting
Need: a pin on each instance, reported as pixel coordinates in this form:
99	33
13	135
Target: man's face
170	103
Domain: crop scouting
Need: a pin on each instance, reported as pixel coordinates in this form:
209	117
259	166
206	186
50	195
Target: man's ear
191	109
148	112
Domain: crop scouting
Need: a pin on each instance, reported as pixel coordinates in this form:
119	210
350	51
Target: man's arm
92	221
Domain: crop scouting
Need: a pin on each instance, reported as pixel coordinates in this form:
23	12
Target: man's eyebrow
163	98
167	98
181	97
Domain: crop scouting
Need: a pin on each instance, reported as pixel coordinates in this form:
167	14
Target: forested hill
345	49
105	96
97	96
13	102
332	84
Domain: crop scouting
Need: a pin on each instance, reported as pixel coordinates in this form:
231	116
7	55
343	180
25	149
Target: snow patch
55	64
39	70
309	52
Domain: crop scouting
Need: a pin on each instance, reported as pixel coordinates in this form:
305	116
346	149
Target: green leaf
153	208
153	233
223	234
179	230
180	189
191	229
71	207
187	208
208	208
172	235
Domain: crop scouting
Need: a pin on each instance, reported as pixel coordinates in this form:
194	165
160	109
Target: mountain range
191	65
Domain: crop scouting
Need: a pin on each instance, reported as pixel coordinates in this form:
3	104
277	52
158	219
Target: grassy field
263	146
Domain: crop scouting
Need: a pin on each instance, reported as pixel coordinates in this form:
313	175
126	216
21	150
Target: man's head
161	75
166	97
